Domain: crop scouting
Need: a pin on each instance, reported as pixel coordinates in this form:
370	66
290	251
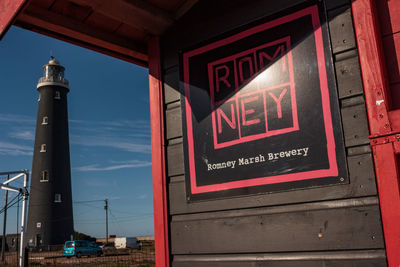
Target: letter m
262	55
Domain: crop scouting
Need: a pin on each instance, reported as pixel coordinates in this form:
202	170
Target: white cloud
130	147
117	166
15	149
24	135
143	196
116	124
113	142
15	118
125	135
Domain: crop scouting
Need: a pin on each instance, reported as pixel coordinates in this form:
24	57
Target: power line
11	203
112	222
91	206
87	201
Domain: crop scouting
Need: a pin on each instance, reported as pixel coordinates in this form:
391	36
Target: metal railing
53	79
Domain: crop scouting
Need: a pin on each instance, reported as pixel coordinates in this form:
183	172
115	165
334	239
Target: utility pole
16	239
106	208
3	241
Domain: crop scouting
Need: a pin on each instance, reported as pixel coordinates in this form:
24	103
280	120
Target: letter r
223	77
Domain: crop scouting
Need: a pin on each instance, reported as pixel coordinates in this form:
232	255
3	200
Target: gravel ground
123	257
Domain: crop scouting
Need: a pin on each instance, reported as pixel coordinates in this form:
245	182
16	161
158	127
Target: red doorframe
384	123
158	155
9	10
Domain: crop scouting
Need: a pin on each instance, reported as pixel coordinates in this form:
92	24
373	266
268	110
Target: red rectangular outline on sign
267	133
331	171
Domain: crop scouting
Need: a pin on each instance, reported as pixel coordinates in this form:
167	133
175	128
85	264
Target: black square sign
261	111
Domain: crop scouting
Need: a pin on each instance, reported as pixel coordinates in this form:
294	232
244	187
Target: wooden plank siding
338	225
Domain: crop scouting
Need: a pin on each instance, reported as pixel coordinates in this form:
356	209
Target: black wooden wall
327	226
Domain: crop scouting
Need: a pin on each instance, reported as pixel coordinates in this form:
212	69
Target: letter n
221	114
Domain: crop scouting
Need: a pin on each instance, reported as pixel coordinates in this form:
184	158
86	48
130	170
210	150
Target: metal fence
52	256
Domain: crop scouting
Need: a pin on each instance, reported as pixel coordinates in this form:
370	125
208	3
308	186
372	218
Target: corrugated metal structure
348	223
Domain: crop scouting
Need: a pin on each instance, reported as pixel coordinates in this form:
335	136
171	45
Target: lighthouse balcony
60	81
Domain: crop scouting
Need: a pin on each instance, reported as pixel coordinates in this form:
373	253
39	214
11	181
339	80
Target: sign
261	111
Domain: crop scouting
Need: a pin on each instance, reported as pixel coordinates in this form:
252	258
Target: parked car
80	248
108	246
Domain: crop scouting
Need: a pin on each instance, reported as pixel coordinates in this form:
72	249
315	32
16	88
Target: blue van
80	248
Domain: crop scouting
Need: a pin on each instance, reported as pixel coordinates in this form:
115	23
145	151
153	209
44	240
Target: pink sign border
331	148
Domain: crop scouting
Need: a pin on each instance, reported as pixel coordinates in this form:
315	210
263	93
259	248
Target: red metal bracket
395	139
385	139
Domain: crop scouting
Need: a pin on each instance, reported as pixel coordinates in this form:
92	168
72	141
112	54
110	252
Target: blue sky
109	127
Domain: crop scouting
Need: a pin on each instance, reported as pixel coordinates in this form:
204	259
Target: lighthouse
50	218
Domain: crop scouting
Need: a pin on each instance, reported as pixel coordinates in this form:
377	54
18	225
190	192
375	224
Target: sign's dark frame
337	172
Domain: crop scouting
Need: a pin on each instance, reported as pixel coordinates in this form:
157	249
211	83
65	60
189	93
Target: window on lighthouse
45	176
57	96
45	120
43	148
57	198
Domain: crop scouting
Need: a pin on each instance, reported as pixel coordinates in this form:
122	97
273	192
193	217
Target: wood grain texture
360	258
158	156
391	46
175	163
319	263
382	122
348	76
395	94
304	230
387	166
362	183
222	17
171	85
355	125
8	12
372	64
341	29
146	16
252	224
173	119
332	4
388	14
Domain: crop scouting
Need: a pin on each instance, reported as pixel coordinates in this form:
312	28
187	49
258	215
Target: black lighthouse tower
50	219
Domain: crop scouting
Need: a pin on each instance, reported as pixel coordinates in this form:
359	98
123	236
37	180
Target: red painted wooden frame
158	155
9	10
382	122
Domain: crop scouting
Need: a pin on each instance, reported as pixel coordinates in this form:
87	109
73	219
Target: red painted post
9	10
389	198
372	66
158	155
382	122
